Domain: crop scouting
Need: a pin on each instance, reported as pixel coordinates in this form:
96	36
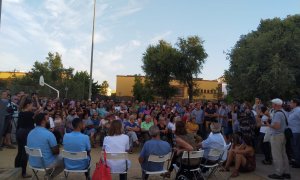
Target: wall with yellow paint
7	74
208	88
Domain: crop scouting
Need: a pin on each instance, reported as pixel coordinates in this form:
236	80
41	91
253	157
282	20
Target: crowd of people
158	128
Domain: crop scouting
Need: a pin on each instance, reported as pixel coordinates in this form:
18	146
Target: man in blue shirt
43	139
131	129
198	113
77	142
294	124
155	146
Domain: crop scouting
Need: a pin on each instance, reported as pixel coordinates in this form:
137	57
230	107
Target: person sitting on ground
155	146
131	129
43	139
117	142
77	142
244	157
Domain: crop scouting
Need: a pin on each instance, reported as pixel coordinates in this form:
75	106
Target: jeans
296	147
22	158
132	138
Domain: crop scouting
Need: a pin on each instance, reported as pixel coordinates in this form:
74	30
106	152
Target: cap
277	101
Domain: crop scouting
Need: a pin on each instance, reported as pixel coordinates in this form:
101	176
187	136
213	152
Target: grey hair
154	131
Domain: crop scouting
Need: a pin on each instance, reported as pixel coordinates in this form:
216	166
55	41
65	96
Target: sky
124	29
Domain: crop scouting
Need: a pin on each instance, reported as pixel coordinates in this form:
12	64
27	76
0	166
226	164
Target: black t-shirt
210	111
26	120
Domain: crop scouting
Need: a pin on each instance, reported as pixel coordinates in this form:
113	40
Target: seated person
184	142
89	127
192	126
214	141
145	126
244	157
131	129
117	142
163	128
155	146
43	139
77	142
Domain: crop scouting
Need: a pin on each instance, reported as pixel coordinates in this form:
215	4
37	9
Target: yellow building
4	75
209	89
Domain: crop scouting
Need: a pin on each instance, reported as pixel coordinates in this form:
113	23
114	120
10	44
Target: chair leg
35	174
66	174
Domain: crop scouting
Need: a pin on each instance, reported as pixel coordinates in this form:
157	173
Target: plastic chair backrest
117	156
33	152
192	154
214	153
158	159
74	155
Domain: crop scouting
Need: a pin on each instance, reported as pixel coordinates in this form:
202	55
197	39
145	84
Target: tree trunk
190	92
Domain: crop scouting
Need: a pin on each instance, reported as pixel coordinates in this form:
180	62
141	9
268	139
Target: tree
265	63
103	88
188	65
157	62
58	76
142	91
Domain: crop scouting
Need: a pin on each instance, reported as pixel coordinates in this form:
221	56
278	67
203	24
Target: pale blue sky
124	29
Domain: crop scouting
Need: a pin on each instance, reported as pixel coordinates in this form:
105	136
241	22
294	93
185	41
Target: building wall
208	89
6	74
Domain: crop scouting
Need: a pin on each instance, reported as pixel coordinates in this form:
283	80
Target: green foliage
265	63
157	64
163	63
57	76
142	91
103	88
192	56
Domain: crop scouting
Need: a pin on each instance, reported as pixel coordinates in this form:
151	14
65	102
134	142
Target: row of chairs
212	168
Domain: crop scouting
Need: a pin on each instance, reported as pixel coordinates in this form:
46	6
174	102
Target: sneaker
286	176
275	176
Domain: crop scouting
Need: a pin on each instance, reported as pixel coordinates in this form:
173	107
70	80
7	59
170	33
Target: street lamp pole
92	55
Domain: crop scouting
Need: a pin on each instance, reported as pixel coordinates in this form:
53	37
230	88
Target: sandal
235	174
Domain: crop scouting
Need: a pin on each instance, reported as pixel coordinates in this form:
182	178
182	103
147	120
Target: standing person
25	125
294	124
77	142
265	145
154	146
198	113
116	142
15	107
210	116
3	114
278	142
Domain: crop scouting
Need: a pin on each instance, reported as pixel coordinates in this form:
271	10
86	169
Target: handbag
102	171
287	132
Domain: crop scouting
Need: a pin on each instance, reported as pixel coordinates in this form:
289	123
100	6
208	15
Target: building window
201	90
204	90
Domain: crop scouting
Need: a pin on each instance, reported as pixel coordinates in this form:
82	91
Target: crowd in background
183	126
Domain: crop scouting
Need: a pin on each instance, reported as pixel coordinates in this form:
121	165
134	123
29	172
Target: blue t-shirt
76	142
128	124
43	139
154	147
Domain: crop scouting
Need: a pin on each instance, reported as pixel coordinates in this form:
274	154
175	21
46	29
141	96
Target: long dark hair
25	100
180	128
115	128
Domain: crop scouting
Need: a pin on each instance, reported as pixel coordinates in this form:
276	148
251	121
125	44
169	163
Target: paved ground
7	157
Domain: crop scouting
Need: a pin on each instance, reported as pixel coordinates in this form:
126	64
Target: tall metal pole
92	55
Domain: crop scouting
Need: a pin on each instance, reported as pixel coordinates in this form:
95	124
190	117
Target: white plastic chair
76	156
213	154
118	156
35	152
158	159
192	155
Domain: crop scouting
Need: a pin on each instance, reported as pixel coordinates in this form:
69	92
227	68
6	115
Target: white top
116	144
51	121
171	126
263	128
